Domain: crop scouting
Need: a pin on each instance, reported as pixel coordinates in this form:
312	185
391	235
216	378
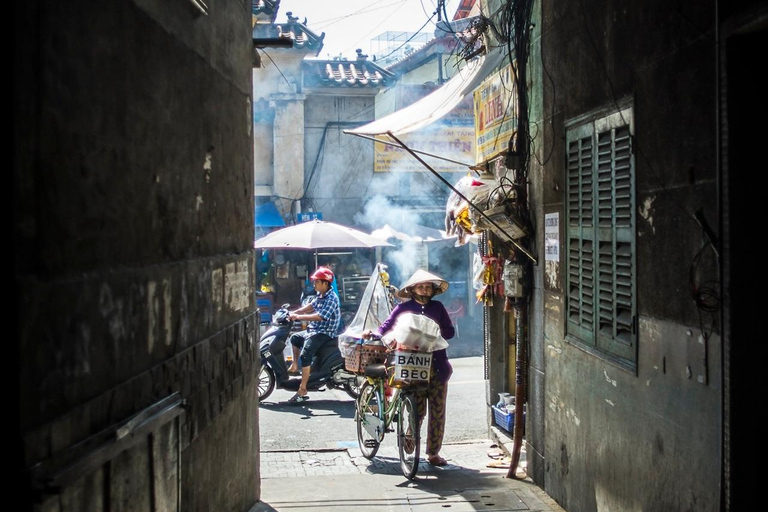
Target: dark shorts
309	343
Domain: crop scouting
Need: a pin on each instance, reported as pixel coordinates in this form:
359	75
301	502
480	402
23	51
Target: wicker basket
363	355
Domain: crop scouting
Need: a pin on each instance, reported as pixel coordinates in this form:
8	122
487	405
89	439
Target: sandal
437	460
298	399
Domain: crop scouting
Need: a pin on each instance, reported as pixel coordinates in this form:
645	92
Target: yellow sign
455	142
495	114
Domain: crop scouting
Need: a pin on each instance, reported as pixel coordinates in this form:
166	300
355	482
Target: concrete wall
537	368
613	439
278	126
338	167
133	232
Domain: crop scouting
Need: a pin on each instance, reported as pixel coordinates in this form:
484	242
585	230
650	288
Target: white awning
437	104
433	107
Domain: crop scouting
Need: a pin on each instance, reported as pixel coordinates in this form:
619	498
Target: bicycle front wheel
266	382
369	418
408	437
353	389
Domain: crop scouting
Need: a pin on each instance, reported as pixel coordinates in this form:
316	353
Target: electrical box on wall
513	279
512	227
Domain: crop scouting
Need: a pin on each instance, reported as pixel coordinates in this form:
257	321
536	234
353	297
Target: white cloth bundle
415	332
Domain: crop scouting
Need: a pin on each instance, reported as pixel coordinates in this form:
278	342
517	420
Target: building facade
133	361
636	112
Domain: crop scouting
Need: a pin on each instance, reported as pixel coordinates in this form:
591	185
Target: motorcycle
326	372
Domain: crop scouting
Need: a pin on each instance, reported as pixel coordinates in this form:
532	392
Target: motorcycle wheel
266	382
353	389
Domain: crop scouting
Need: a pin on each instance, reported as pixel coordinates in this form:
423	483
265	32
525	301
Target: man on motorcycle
323	313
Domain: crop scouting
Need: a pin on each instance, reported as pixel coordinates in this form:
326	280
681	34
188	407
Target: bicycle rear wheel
408	437
369	418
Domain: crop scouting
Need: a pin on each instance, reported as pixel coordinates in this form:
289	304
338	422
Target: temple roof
346	73
302	36
264	10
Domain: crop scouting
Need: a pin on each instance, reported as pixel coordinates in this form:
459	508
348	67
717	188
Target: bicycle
375	413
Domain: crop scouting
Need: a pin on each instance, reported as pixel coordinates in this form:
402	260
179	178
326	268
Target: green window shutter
580	277
600	231
615	295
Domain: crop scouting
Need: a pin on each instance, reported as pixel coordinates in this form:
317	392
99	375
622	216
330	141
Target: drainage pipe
521	383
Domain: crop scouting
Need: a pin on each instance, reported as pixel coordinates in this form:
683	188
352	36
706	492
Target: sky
351	24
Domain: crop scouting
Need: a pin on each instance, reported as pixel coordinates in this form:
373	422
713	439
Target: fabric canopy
437	104
267	216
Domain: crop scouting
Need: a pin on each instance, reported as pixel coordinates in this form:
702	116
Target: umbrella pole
315	258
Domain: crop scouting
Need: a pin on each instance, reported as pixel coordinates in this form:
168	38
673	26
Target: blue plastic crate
504	419
264	305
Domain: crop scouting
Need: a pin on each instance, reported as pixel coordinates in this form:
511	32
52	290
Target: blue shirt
328	307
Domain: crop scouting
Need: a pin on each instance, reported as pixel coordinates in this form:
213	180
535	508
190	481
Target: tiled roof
303	37
463	10
264	10
343	73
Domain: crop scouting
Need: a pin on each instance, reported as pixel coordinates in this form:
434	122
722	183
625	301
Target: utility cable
409	39
278	68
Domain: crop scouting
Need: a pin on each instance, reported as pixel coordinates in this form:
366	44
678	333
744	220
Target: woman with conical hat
418	293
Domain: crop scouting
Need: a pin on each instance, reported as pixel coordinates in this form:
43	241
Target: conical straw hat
422	276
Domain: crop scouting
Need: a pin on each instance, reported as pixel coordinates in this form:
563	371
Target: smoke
408	259
379	210
403	259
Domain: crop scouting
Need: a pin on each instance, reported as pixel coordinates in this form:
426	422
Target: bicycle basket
362	355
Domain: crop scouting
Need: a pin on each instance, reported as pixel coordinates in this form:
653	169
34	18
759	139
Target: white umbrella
318	234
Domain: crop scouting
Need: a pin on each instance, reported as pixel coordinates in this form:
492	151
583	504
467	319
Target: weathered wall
278	110
338	167
133	232
615	440
537	368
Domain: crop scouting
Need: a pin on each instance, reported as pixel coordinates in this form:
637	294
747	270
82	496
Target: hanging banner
495	114
454	142
452	137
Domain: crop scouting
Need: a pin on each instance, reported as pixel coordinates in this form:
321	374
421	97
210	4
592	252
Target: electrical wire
552	116
362	10
374	28
409	39
276	66
705	295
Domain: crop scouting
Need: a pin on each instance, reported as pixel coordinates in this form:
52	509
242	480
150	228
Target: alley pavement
341	479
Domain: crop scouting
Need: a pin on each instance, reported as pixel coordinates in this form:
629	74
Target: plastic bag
478	271
375	307
476	190
459	213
